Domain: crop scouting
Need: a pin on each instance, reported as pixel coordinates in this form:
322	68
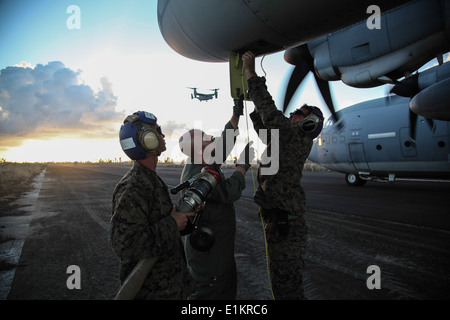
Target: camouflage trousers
285	253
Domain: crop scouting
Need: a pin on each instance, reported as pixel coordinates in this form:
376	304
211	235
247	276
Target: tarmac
403	229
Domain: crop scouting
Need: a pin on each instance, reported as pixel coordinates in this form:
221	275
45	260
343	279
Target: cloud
173	129
52	99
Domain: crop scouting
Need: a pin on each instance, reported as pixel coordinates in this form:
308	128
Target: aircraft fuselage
376	141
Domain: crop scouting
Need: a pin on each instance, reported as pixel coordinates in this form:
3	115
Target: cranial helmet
310	123
139	135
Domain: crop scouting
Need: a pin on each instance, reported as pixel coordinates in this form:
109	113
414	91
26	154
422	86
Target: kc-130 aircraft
376	145
335	41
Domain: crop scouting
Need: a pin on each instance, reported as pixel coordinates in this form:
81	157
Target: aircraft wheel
354	180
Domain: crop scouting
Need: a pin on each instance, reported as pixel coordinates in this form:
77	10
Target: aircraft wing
336	40
210	30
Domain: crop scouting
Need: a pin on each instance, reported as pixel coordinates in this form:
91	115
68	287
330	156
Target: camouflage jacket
283	189
141	226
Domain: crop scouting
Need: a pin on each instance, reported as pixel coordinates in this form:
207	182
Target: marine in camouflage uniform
280	196
144	223
141	226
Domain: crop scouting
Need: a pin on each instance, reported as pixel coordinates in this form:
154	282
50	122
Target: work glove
238	108
246	157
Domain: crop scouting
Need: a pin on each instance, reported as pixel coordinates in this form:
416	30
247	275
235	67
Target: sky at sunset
65	91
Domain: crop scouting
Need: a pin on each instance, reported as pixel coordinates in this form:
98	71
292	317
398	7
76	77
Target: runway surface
402	228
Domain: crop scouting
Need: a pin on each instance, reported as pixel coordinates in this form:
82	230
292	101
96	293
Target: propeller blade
324	88
407	88
301	58
430	123
304	63
412	125
298	74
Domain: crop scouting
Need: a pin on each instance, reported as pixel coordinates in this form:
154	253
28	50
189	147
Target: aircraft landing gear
354	180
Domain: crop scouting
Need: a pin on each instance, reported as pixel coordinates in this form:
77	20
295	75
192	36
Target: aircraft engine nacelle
409	36
208	30
430	92
433	102
433	99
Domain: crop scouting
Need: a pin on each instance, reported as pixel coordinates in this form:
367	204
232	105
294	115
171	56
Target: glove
238	108
246	157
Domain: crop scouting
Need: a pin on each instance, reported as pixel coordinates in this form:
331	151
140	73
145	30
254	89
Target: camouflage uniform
282	193
141	226
214	271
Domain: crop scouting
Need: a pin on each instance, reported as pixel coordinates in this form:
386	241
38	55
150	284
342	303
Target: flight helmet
139	135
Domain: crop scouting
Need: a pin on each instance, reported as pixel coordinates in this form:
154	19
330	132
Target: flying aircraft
349	40
203	96
376	145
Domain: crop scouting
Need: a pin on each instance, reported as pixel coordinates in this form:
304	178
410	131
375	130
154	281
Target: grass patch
15	178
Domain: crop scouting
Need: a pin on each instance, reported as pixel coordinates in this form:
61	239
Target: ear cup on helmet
149	140
312	122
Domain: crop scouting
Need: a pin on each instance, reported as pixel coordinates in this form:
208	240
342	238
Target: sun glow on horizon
66	150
